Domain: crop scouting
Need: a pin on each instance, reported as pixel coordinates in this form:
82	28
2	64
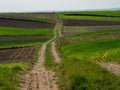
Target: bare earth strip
17	54
111	67
54	53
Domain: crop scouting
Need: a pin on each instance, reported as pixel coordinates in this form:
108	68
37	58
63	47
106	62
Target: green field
78	72
20	43
7	31
90	18
84	50
107	13
88	29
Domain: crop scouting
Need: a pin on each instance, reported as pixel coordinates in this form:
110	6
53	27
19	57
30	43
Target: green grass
108	13
20	43
9	75
84	50
49	60
90	18
77	72
105	32
7	31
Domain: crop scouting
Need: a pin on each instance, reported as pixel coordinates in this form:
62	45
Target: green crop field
90	18
78	70
20	43
115	14
84	50
7	31
87	30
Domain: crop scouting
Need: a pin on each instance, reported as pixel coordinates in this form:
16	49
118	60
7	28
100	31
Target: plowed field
23	37
72	22
17	54
20	23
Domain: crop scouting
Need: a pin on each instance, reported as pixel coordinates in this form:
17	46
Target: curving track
38	78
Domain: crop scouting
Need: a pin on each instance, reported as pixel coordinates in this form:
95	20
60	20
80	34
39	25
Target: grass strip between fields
49	60
108	13
105	32
8	31
20	43
90	18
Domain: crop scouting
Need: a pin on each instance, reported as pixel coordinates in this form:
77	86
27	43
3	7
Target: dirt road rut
56	57
38	78
114	68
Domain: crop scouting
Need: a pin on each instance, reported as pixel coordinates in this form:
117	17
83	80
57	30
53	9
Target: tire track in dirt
114	68
56	57
38	78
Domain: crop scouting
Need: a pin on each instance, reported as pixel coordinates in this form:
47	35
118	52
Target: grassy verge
20	43
77	72
7	31
35	58
105	32
49	60
9	75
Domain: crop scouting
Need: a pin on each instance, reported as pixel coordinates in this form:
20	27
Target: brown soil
98	37
54	53
17	54
23	37
72	22
38	78
19	23
111	67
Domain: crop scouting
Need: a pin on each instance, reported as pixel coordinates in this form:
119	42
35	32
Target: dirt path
54	52
38	78
111	67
